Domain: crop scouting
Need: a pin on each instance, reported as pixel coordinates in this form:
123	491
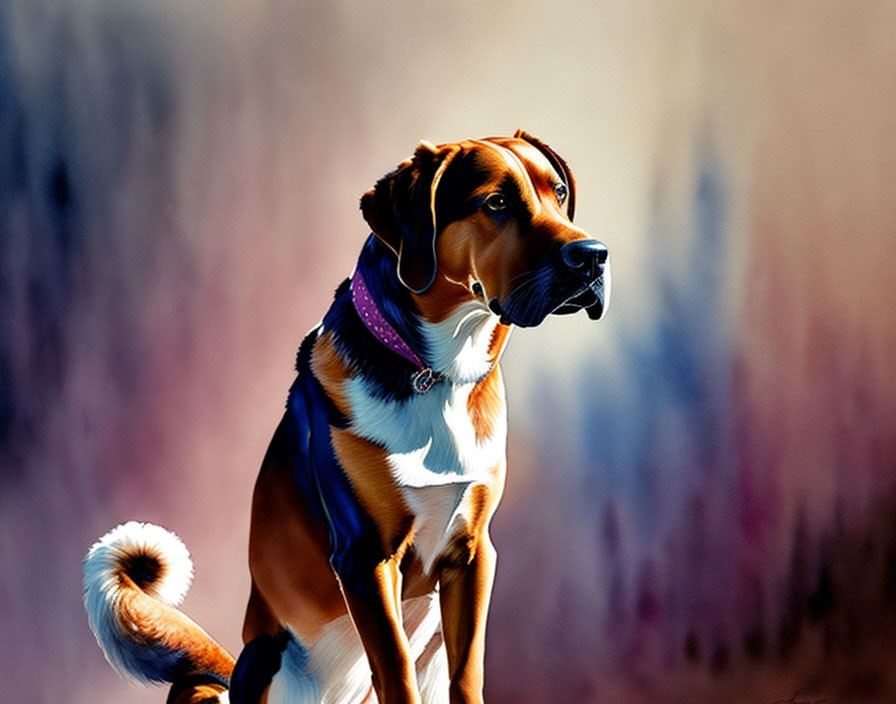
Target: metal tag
424	380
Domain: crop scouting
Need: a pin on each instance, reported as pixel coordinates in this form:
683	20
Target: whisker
521	279
526	296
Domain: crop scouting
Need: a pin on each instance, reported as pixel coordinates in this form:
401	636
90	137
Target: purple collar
424	378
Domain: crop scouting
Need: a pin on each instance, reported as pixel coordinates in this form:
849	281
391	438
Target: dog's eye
561	191
496	201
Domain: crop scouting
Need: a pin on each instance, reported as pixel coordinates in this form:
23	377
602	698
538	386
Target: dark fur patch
387	374
355	542
143	568
256	667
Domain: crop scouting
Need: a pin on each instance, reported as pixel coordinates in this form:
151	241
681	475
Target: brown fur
331	370
201	694
486	403
140	613
367	467
292	581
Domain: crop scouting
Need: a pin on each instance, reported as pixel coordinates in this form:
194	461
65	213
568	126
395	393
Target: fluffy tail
134	577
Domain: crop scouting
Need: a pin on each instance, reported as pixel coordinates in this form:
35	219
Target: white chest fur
459	345
434	454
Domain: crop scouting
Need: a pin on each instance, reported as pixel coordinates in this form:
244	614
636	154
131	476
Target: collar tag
423	380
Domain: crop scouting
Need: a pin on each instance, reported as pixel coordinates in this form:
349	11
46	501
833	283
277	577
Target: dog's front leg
464	594
375	606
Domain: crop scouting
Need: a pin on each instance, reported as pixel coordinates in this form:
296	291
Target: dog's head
489	220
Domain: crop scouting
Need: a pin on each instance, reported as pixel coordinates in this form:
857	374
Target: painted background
702	491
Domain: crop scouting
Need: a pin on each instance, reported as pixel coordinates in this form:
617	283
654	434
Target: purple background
701	502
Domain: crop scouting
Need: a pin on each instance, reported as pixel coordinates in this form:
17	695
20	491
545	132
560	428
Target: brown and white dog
370	555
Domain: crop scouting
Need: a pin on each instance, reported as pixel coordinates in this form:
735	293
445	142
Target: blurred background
701	503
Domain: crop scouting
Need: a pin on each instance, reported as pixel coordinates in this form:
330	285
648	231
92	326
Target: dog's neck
462	346
367	309
383	331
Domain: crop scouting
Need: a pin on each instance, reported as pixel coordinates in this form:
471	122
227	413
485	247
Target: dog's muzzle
588	260
577	277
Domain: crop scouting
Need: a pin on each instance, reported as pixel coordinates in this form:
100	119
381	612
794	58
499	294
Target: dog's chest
435	456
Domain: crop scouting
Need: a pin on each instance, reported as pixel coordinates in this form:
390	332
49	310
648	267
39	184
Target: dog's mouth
593	299
545	294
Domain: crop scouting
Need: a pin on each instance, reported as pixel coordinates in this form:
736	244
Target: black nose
584	256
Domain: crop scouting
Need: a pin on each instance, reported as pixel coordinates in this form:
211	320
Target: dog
369	547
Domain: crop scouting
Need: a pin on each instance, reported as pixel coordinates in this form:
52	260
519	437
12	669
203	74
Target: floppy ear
560	166
400	210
